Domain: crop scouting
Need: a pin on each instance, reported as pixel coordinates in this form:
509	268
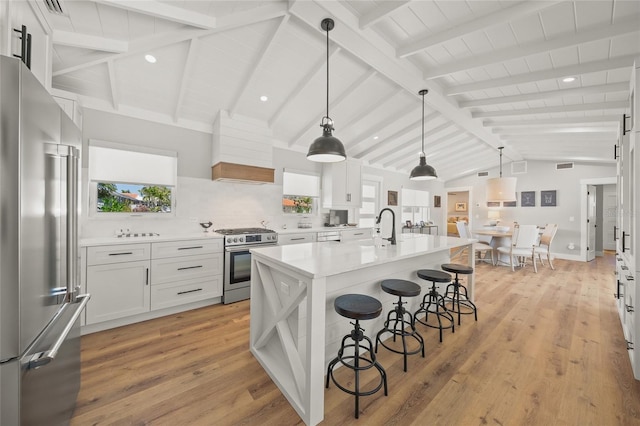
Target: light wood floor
547	349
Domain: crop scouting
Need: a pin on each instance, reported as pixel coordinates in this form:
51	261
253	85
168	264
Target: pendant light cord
501	148
328	75
422	152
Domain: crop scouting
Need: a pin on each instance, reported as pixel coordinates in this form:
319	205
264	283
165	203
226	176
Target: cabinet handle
615	151
629	345
624	238
624	267
629	278
120	254
615	233
189	291
189	267
629	308
297	239
190	248
348	197
147	279
624	124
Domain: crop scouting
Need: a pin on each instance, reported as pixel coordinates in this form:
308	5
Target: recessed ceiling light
263	98
569	79
150	58
375	138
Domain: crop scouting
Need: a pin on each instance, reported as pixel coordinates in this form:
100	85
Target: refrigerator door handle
72	223
45	357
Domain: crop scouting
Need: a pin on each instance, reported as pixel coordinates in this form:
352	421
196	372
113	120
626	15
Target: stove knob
235	240
229	240
241	239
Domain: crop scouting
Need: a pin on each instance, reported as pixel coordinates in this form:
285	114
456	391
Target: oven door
237	274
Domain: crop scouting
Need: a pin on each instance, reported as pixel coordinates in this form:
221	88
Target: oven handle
247	248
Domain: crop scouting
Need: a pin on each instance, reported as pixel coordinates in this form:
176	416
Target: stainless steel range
237	259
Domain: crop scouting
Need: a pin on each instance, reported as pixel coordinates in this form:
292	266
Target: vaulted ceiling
495	72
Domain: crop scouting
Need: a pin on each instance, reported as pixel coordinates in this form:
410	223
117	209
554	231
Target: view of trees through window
132	198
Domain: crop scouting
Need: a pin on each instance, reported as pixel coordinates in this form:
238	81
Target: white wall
198	198
542	175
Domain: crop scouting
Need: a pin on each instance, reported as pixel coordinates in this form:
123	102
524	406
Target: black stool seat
400	322
456	293
434	275
402	288
433	303
357	306
356	351
457	268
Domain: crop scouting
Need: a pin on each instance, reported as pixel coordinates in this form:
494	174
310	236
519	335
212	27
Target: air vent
483	174
564	166
56	6
518	167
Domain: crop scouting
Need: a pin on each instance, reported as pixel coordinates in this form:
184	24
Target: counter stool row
357	351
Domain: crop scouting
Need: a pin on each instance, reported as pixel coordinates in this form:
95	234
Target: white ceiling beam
113	85
256	67
313	73
271	11
380	12
569	158
599	136
552	109
532	77
469	146
553	130
165	11
186	72
415	143
309	127
366	138
86	41
560	121
372	49
629	25
487	21
578	91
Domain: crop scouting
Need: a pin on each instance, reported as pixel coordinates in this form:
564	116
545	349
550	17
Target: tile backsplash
226	204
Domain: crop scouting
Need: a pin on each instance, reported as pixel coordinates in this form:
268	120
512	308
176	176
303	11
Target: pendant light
501	188
326	148
423	171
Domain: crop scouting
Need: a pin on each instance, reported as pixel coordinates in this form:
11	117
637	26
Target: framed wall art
548	198
528	199
392	198
437	201
461	207
508	204
493	203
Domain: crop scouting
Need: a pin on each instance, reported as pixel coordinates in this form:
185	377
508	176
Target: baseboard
564	256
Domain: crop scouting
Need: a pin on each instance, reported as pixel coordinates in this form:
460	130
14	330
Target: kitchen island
295	331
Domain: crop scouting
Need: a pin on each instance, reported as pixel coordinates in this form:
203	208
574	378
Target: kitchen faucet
393	227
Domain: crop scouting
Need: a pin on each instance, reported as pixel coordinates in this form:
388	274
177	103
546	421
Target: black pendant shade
423	171
327	148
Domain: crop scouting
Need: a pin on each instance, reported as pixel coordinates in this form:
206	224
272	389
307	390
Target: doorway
605	217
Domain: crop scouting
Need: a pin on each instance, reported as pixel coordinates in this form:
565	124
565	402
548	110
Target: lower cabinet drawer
185	268
178	293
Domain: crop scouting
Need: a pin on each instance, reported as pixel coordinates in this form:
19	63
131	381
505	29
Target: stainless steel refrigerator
40	304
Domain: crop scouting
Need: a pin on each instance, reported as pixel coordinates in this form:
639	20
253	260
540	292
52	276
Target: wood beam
532	77
552	109
627	26
164	11
487	21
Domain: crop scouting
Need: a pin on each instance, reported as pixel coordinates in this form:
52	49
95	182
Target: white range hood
242	150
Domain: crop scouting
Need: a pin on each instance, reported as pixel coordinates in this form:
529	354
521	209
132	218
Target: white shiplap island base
295	331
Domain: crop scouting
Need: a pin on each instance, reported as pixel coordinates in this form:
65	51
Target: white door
591	222
610	210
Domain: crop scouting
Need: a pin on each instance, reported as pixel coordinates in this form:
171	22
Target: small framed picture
548	198
409	224
508	204
437	201
528	199
392	198
493	203
461	207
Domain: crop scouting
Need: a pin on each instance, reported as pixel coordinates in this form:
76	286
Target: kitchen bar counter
292	293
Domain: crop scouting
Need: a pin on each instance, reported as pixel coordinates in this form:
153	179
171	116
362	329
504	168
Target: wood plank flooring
547	349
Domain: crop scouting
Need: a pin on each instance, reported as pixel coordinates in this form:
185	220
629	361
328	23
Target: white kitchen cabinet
117	290
342	184
355	234
628	224
297	238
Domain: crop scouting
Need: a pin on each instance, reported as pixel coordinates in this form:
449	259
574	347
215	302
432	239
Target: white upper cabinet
342	184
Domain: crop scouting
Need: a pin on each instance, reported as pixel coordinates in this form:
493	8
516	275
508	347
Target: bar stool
401	288
357	307
433	302
454	290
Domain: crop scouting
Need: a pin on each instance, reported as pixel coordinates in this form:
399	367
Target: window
370	203
415	206
300	192
131	180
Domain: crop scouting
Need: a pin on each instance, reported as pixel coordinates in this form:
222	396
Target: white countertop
331	258
100	241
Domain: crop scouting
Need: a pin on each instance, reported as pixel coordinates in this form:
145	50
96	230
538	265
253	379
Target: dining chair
480	247
544	247
523	243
